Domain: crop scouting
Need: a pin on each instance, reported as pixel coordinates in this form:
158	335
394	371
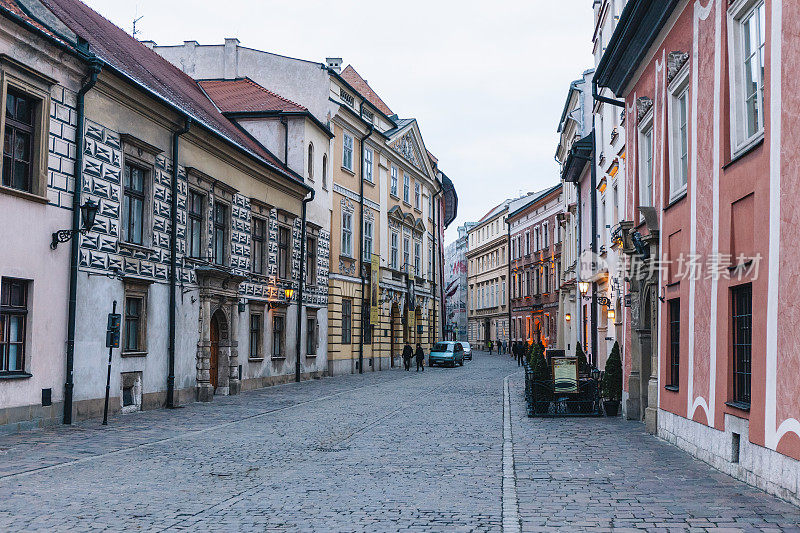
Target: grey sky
486	80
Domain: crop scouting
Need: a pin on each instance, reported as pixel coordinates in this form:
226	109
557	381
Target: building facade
706	118
455	286
535	264
487	277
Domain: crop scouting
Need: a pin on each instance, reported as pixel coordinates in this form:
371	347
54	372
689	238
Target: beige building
487	278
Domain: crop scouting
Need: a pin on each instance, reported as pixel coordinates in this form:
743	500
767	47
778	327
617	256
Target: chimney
149	44
230	60
334	63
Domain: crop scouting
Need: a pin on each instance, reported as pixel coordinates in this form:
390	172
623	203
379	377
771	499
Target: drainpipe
508	224
361	247
173	263
437	219
300	284
285	122
95	66
579	314
596	95
593	184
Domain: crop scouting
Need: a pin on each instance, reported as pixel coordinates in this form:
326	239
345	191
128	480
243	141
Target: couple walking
419	355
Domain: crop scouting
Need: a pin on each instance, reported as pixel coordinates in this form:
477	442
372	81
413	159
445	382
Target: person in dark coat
407	355
420	356
520	354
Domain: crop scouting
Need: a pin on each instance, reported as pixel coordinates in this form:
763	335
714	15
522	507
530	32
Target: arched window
324	171
310	160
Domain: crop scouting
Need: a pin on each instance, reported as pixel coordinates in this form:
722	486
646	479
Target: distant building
455	285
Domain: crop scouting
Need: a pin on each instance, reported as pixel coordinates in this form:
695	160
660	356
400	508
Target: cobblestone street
389	451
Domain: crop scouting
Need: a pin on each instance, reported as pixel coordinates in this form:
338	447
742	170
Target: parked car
448	353
467	350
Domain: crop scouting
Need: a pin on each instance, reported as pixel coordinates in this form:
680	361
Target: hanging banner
374	289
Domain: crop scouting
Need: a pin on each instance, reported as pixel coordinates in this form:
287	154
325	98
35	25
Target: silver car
467	350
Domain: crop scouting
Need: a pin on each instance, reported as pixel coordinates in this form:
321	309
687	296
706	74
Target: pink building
711	215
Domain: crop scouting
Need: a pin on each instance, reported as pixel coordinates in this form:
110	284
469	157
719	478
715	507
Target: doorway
213	363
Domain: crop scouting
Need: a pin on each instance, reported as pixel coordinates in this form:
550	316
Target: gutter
173	251
361	248
598	98
95	66
507	220
285	122
436	221
300	284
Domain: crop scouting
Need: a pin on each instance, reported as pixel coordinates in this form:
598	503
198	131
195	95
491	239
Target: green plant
541	375
612	378
583	364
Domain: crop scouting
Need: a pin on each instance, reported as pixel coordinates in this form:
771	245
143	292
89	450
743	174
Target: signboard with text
565	374
374	290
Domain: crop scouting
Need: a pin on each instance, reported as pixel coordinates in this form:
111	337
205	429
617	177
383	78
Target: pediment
407	142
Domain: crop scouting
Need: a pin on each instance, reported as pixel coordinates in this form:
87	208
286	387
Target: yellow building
390	201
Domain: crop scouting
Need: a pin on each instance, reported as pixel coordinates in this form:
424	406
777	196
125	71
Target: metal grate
742	341
674	341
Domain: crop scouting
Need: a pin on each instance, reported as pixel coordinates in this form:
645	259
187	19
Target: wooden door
214	356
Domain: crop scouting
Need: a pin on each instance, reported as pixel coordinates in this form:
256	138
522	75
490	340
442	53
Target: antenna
137	19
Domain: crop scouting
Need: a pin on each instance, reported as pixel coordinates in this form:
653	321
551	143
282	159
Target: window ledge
255	359
745	149
311	356
133	354
394	196
369	182
134	246
24	195
347	257
676	199
672	388
15	375
742	406
406	203
348	171
278	357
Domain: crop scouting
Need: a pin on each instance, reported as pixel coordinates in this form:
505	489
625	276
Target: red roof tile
11	6
352	77
244	95
146	68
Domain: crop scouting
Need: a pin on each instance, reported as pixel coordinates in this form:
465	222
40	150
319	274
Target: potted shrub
611	385
583	364
542	393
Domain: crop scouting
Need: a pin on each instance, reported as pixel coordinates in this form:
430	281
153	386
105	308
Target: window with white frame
347	151
395	252
646	161
417	257
679	135
417	199
347	234
406	188
746	46
406	252
545	238
368	165
367	240
393	189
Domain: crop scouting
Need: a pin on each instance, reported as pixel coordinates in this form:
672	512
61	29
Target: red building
712	179
535	261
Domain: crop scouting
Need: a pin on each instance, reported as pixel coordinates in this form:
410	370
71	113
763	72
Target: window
310	161
513	249
220	231
365	324
134	311
347	321
347	234
13	324
367	240
395	252
742	342
347	152
368	165
545	236
417	199
406	187
278	336
747	78
133	204
417	258
324	171
527	243
18	139
311	335
195	222
393	189
406	253
646	165
283	252
257	253
674	342
255	335
679	147
546	279
311	261
430	261
430	208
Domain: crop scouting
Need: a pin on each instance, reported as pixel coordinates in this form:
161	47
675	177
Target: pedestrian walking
407	355
490	347
520	354
420	355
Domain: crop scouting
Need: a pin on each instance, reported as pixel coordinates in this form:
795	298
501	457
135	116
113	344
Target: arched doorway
213	356
396	332
218	351
418	325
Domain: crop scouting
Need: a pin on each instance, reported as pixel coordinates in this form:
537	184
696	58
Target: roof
637	29
579	156
243	95
450	200
536	197
154	74
12	7
358	83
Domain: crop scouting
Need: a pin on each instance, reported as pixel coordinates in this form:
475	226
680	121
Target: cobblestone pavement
386	451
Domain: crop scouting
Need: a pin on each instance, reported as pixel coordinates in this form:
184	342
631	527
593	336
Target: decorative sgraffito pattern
61	147
102	250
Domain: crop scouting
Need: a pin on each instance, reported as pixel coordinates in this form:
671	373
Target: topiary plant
612	378
543	391
583	364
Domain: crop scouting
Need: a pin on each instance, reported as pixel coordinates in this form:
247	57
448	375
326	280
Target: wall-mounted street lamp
88	215
568	317
583	286
289	293
612	314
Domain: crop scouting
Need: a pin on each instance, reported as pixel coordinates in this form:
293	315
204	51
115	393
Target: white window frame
367	240
417	196
393	187
645	129
347	234
406	252
740	141
395	249
406	188
679	89
368	155
347	151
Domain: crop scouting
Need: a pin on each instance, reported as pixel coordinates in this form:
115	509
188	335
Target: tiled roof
244	95
352	77
11	6
157	75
